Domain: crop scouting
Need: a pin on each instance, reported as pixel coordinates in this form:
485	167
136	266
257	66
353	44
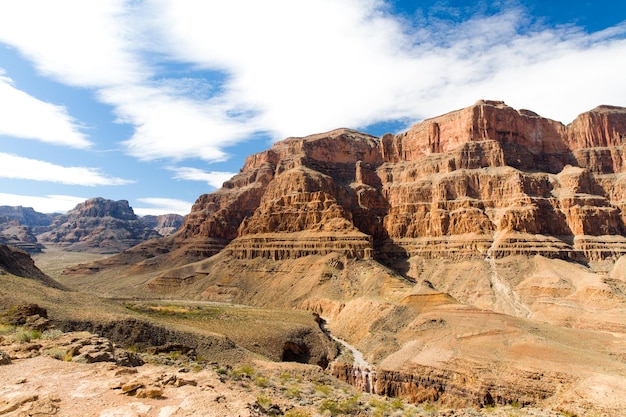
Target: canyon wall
487	180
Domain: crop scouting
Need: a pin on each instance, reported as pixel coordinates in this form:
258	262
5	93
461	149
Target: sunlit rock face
446	186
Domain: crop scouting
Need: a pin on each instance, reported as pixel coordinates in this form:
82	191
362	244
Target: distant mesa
97	225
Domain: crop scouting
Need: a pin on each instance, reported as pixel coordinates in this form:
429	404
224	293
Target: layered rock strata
484	178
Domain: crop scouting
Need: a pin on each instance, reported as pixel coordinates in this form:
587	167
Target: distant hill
21	236
97	225
165	224
26	216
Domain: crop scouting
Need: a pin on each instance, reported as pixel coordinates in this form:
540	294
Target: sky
160	101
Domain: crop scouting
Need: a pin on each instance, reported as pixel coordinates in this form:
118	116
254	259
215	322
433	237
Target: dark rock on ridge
18	262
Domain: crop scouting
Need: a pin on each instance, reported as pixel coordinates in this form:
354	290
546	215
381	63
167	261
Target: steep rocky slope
471	257
17	262
100	225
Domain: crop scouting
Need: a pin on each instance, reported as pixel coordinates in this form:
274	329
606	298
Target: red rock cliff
484	180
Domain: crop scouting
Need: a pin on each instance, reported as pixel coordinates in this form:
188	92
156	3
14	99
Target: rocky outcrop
455	185
99	225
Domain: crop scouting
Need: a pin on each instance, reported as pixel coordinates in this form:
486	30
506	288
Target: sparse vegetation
6	329
245	371
323	389
261	381
336	407
26	335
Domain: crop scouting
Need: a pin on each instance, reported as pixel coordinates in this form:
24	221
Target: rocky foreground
82	374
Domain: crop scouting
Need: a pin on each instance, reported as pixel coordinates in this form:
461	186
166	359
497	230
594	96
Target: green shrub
325	390
261	381
379	407
26	335
293	392
6	328
244	371
336	408
397	404
263	401
285	377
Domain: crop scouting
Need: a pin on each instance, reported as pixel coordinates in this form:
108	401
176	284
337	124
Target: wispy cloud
162	206
17	167
24	116
47	204
295	68
213	178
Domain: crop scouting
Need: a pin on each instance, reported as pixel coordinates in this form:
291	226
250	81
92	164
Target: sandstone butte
472	257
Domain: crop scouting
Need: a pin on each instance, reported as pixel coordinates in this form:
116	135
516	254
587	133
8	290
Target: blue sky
159	101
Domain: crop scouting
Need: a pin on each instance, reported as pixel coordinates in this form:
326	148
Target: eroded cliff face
487	178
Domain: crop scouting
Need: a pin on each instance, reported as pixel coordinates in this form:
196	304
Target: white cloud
46	204
213	178
80	43
17	167
162	206
296	68
24	116
168	126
